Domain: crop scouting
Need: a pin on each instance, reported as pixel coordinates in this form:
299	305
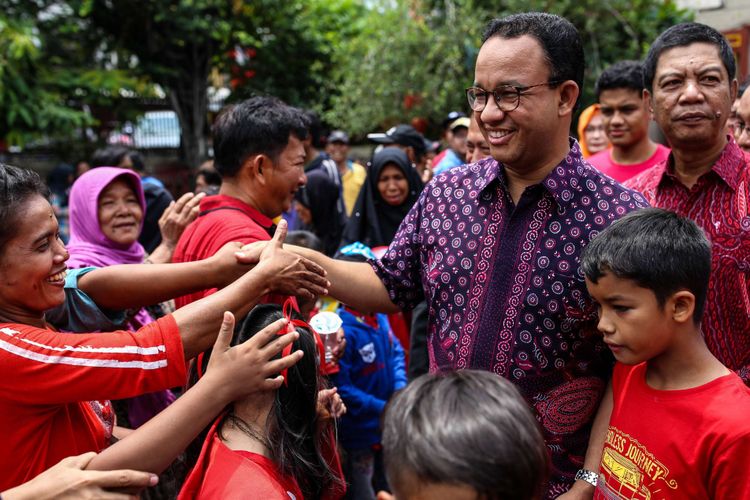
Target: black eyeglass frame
519	90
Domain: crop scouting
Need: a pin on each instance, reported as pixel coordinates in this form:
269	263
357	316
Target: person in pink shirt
626	118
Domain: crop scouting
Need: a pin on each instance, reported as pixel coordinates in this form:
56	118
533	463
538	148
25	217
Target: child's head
647	271
304	239
465	434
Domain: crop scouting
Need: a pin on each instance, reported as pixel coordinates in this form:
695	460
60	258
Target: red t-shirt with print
682	444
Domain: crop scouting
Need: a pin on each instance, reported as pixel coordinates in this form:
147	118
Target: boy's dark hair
17	186
656	248
469	428
259	125
559	39
621	75
682	35
304	239
111	156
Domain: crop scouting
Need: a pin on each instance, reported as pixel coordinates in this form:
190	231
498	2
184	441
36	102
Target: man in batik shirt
494	246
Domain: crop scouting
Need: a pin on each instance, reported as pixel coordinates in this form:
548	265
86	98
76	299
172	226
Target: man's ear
648	98
568	92
682	306
257	167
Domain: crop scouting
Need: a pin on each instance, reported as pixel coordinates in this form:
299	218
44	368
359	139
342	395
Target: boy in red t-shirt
677	418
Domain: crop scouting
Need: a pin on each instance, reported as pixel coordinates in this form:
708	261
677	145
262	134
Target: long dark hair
292	434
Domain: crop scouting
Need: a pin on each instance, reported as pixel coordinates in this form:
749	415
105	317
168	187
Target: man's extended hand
289	273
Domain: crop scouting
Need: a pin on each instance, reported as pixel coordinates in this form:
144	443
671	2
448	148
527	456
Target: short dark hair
559	39
315	129
305	239
656	248
621	75
682	35
259	125
17	185
467	427
110	156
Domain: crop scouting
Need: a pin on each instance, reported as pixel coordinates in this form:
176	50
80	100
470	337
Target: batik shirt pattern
505	291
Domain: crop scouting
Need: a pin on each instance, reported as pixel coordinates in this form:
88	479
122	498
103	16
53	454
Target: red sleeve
39	366
729	478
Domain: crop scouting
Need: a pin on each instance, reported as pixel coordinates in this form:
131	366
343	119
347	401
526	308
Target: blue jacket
370	371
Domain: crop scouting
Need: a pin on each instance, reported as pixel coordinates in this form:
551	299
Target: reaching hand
330	404
249	367
177	216
69	480
291	274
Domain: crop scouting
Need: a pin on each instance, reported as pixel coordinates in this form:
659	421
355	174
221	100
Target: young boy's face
634	326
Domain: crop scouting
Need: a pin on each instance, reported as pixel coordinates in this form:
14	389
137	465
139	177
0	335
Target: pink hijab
88	245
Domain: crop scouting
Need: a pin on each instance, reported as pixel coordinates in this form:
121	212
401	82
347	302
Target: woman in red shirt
54	387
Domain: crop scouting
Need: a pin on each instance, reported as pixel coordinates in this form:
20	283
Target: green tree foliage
48	85
415	58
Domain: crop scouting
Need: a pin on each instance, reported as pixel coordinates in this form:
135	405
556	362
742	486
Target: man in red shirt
260	156
626	119
689	75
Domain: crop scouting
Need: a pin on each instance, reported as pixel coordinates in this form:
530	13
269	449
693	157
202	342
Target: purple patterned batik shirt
505	291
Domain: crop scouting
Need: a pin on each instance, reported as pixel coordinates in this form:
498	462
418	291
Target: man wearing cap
352	174
494	246
405	137
452	116
456	153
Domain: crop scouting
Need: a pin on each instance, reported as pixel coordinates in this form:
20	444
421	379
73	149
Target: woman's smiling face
32	263
120	213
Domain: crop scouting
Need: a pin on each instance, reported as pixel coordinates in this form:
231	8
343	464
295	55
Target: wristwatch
588	476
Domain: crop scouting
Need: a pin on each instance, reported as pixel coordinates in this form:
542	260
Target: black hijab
320	195
373	221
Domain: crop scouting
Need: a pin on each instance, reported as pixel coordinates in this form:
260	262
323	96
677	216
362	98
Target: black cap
452	116
405	135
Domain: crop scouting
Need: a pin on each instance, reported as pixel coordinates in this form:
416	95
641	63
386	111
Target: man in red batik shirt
689	77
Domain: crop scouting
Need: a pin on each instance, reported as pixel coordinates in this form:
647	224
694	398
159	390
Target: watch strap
586	475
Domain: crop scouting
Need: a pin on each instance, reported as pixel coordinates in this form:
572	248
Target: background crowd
270	334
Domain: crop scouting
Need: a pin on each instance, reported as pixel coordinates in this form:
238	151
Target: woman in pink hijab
106	217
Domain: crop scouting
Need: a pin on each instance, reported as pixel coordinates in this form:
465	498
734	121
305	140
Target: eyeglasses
507	97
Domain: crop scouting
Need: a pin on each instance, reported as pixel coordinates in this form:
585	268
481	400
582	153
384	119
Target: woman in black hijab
317	209
392	187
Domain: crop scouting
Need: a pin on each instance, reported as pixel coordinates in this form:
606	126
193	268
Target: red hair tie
290	306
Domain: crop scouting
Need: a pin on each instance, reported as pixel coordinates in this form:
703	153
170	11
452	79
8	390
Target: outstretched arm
232	373
69	480
278	271
130	286
353	283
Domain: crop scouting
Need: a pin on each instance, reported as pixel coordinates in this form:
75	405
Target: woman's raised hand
250	367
